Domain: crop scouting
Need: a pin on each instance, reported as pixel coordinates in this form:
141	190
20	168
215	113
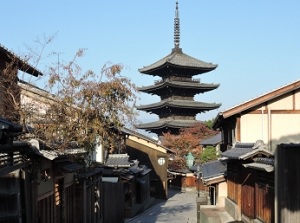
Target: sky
255	43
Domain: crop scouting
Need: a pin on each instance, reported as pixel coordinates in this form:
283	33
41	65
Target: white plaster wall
222	194
297	100
254	127
285	128
273	129
284	103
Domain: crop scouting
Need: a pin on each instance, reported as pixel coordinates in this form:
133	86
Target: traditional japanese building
176	89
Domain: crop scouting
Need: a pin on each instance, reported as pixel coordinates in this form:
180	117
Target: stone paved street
179	208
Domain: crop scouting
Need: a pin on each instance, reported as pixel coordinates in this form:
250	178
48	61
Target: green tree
209	123
208	154
188	140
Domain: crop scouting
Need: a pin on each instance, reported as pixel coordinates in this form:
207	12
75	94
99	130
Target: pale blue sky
255	43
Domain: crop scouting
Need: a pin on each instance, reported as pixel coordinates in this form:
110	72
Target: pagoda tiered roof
166	124
178	63
194	86
182	104
176	89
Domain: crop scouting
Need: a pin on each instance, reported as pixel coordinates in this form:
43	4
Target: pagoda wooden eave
179	63
179	104
161	124
195	86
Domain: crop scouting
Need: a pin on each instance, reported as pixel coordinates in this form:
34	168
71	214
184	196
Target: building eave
262	99
21	64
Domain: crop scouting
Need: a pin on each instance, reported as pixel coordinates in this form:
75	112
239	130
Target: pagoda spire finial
176	27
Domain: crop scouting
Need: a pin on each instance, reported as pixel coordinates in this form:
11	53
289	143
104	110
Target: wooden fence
288	183
113	200
10	203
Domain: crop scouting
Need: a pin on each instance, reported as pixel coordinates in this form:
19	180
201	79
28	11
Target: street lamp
189	159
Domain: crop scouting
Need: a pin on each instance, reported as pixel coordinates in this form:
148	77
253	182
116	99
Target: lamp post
198	199
198	178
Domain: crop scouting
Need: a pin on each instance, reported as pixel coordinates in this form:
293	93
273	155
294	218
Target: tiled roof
201	87
213	169
21	64
262	163
260	166
179	104
167	123
265	160
247	150
118	160
139	135
142	170
212	141
9	126
155	144
70	167
179	60
236	153
50	154
45	150
89	172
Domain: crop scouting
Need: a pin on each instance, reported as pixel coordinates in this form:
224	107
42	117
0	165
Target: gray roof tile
247	150
213	169
179	104
167	123
260	166
212	141
202	87
118	160
181	60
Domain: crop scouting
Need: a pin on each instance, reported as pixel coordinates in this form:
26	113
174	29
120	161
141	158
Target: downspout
269	129
262	122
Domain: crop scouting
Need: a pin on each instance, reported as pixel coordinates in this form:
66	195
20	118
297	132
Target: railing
184	79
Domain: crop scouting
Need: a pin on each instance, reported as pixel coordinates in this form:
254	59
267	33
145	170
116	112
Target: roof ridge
263	94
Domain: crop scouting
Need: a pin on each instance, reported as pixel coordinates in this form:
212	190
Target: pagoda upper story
176	89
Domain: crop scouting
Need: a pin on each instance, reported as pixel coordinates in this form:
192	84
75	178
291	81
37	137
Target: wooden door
248	193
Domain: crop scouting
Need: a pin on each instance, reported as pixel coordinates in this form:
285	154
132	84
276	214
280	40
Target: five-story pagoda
177	108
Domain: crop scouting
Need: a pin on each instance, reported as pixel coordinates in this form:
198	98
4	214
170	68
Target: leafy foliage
86	105
188	140
209	123
208	154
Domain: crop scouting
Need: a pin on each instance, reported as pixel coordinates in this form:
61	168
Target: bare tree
87	104
77	106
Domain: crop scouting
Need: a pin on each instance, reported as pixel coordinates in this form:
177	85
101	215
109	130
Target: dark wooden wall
288	182
10	203
252	190
264	197
113	200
